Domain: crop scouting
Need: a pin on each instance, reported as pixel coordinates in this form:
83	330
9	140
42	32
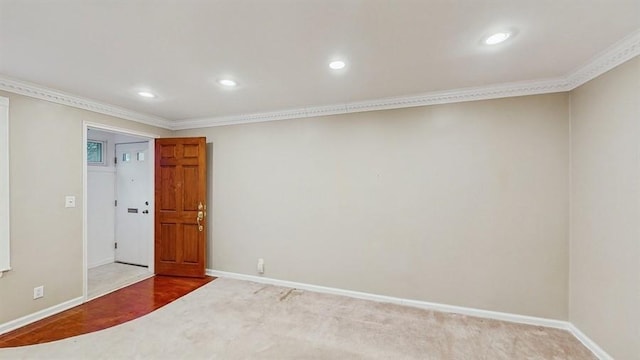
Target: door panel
191	151
181	207
168	151
168	196
133	227
168	250
190	175
191	244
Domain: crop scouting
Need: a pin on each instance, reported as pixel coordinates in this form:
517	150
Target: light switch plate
70	201
38	292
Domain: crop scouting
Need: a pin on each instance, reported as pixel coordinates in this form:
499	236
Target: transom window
96	152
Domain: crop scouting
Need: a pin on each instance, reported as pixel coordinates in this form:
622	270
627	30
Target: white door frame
150	241
5	237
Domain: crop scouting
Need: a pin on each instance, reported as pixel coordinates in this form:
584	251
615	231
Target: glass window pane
94	152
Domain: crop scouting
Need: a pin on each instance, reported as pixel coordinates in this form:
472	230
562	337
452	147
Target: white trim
432	98
125	131
618	53
570	259
590	344
39	315
85	231
152	207
106	261
623	50
59	97
495	315
5	208
521	319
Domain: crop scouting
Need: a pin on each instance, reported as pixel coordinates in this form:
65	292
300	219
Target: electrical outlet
260	266
38	292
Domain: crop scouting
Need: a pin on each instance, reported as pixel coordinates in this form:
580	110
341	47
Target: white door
133	209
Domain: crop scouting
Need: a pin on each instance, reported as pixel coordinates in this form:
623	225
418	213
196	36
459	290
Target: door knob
198	219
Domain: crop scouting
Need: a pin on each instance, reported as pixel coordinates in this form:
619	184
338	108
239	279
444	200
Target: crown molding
44	93
620	52
432	98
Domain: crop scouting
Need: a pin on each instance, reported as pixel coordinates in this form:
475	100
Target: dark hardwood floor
112	309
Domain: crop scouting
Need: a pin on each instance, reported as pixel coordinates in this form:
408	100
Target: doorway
132	203
118	216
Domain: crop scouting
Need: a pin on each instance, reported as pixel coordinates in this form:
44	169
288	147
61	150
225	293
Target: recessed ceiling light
146	94
227	82
497	38
337	65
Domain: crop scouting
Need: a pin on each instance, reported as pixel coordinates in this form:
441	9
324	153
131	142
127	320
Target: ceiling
278	51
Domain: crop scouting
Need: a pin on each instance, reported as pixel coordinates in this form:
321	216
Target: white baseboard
515	318
522	319
590	344
101	262
28	319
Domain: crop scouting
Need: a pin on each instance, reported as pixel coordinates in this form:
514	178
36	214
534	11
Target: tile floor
110	277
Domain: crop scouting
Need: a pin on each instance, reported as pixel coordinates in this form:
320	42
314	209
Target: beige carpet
232	319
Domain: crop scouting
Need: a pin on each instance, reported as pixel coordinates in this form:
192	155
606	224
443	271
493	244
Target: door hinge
115	245
115	160
115	202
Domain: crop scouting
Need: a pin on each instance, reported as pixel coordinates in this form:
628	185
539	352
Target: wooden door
180	203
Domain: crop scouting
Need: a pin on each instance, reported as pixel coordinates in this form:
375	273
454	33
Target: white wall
100	216
605	211
463	204
100	205
46	237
